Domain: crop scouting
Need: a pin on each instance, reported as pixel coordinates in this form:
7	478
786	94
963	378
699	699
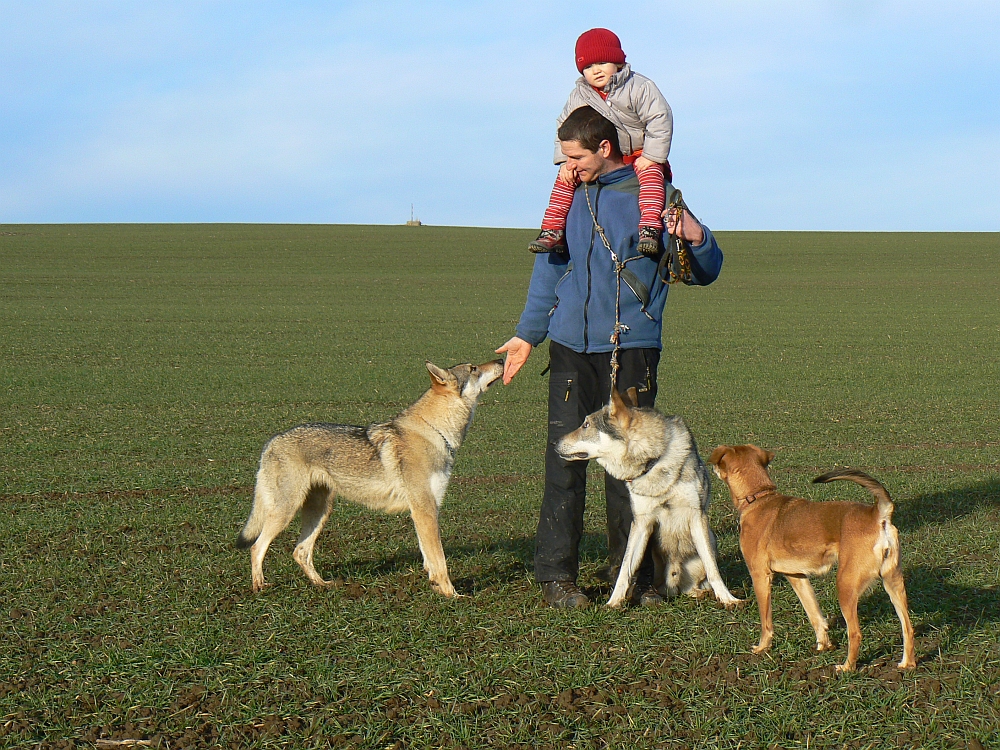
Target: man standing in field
571	300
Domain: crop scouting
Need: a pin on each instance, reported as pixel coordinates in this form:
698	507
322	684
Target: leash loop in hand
676	259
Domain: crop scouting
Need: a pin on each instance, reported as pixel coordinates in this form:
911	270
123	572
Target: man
571	300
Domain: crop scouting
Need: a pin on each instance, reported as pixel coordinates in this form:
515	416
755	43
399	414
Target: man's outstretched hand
517	351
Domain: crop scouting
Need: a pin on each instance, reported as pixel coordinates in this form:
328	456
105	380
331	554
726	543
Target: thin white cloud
351	112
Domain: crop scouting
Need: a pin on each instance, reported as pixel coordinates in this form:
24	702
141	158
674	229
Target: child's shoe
649	241
550	241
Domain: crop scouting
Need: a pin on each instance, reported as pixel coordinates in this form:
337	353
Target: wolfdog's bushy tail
254	524
871	484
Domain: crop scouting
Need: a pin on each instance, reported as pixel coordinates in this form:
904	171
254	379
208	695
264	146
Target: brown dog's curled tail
871	484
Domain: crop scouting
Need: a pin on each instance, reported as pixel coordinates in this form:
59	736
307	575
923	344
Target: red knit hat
598	46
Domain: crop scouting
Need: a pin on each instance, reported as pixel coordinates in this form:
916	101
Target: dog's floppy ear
439	378
633	395
765	457
718	453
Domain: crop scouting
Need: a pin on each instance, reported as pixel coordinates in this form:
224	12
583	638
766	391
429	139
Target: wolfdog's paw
616	602
445	589
824	646
259	587
845	667
760	649
726	599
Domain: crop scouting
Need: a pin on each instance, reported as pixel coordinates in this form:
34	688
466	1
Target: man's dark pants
580	384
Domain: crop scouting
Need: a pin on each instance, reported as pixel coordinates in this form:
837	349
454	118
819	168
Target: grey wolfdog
402	464
669	485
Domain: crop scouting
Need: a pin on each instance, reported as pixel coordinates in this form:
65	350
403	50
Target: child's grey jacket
637	109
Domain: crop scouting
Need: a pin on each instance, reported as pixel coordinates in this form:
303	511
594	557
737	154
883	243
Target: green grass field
143	367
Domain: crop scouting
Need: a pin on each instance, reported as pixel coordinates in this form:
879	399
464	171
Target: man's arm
533	326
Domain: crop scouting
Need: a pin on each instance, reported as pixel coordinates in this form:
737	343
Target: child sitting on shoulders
645	125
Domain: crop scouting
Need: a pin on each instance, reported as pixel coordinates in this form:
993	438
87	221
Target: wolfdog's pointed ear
633	395
718	453
439	377
618	409
617	404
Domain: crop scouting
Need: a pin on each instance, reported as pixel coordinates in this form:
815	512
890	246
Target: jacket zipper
631	147
590	252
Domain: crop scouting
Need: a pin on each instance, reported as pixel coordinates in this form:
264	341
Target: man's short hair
589	128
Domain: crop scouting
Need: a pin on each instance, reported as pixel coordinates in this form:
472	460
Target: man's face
589	165
598	74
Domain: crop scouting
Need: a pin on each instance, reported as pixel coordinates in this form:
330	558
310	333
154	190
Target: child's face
598	74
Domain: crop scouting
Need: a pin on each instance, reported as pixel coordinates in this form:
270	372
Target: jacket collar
617	175
618	80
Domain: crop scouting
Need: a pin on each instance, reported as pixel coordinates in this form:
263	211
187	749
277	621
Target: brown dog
799	538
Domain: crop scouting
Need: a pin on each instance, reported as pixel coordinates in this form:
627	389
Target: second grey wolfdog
402	464
668	486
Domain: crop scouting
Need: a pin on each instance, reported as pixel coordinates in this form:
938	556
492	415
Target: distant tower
413	222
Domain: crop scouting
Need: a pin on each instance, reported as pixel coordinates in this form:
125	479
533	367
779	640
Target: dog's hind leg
892	581
663	570
424	511
804	590
896	589
315	511
693	581
635	548
279	500
853	577
704	543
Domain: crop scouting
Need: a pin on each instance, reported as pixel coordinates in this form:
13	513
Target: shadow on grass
514	560
940	507
930	590
939	601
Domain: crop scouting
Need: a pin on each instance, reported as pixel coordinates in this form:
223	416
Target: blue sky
853	115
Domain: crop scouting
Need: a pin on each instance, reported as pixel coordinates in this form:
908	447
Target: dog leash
676	259
620	328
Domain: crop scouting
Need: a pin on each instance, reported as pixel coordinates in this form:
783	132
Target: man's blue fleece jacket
573	301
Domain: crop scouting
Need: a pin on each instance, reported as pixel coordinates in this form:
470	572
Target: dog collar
646	469
447	445
751	499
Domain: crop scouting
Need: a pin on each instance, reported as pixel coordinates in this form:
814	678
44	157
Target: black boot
644	593
564	595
